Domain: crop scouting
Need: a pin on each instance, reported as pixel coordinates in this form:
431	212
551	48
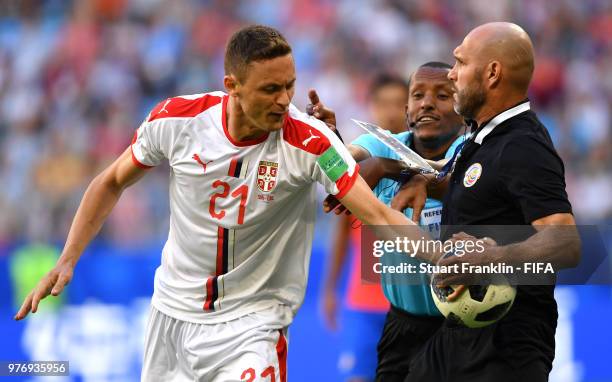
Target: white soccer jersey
242	214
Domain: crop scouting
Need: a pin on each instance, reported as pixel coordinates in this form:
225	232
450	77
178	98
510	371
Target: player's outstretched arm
371	169
97	203
365	206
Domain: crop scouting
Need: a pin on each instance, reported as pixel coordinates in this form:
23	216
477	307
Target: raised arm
97	203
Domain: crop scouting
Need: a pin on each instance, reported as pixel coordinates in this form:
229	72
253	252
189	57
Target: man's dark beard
471	100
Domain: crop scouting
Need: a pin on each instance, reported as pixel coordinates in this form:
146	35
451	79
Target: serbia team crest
472	174
266	175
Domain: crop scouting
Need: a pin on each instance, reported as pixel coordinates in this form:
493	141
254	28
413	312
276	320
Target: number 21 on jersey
223	191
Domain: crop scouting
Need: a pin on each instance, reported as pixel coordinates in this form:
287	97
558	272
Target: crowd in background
78	77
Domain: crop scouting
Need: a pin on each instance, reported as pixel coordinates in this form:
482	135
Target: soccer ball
479	305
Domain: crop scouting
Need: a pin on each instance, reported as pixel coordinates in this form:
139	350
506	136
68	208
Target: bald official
496	63
507	174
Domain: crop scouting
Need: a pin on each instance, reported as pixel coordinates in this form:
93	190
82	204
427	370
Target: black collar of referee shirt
479	133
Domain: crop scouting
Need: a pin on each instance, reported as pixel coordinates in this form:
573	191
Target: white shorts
250	348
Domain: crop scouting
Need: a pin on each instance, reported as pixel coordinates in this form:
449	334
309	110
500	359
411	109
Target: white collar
518	109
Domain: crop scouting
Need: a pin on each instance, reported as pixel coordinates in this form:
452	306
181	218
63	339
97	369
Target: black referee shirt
508	173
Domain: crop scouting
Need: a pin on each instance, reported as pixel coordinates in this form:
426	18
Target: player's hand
413	194
52	284
330	309
319	111
490	253
457	291
332	204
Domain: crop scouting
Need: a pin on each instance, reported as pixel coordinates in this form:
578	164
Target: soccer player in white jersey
243	169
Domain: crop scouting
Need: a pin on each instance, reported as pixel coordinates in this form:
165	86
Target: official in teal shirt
414	299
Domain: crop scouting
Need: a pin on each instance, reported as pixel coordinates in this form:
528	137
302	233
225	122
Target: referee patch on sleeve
332	164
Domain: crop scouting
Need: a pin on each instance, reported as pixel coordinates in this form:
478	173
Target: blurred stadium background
77	77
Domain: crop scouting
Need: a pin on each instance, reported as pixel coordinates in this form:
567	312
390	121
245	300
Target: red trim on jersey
296	133
281	352
212	284
208	303
136	161
250	142
346	182
220	241
183	107
232	167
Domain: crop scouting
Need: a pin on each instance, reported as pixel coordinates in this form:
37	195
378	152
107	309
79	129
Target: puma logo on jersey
307	140
196	157
164	107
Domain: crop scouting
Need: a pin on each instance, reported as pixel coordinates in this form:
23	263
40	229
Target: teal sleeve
369	142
